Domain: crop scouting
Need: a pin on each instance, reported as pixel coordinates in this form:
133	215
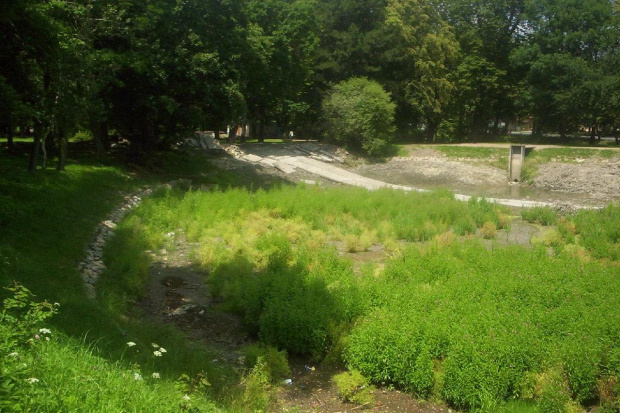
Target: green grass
72	377
46	221
540	215
447	319
442	316
497	157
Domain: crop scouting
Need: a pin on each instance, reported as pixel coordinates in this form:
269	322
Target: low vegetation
435	312
445	319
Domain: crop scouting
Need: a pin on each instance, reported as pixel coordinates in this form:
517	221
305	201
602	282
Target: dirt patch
432	170
177	294
592	182
312	390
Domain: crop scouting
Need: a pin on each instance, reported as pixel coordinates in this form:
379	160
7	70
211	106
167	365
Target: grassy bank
46	221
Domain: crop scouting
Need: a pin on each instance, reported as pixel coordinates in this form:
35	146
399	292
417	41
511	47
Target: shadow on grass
48	218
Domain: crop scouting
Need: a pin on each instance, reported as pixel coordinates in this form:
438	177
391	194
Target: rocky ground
598	178
593	181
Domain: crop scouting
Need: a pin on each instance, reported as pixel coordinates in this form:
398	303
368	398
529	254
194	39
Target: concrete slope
288	163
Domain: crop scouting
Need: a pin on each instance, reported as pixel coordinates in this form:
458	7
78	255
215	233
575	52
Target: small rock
109	224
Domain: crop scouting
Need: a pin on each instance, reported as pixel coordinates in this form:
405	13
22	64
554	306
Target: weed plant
482	323
44	370
446	319
598	231
540	215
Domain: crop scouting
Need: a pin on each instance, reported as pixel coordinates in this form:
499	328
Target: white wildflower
32	380
157	353
47	338
156	376
154	345
45	331
186	397
137	376
163	350
13	354
131	344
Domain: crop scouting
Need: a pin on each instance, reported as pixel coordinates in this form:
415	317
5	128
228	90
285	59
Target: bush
488	230
360	113
276	363
354	388
540	215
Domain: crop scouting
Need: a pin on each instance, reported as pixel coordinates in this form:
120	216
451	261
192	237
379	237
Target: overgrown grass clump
471	326
44	370
46	221
440	315
446	318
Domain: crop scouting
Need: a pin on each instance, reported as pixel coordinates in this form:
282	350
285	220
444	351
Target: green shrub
257	393
471	325
21	320
82	136
354	388
488	230
554	395
600	231
359	112
540	215
276	363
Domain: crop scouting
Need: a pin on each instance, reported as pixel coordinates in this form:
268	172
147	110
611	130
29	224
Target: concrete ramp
515	161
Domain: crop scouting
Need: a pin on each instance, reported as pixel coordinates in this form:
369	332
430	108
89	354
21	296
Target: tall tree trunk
245	132
216	133
592	135
232	134
99	136
44	152
40	134
432	124
63	146
9	138
261	132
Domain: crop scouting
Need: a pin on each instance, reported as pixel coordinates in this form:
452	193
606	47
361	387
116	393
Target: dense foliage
446	319
152	73
359	113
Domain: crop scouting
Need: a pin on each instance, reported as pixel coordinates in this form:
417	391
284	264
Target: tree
278	61
419	57
360	113
566	59
487	86
403	44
